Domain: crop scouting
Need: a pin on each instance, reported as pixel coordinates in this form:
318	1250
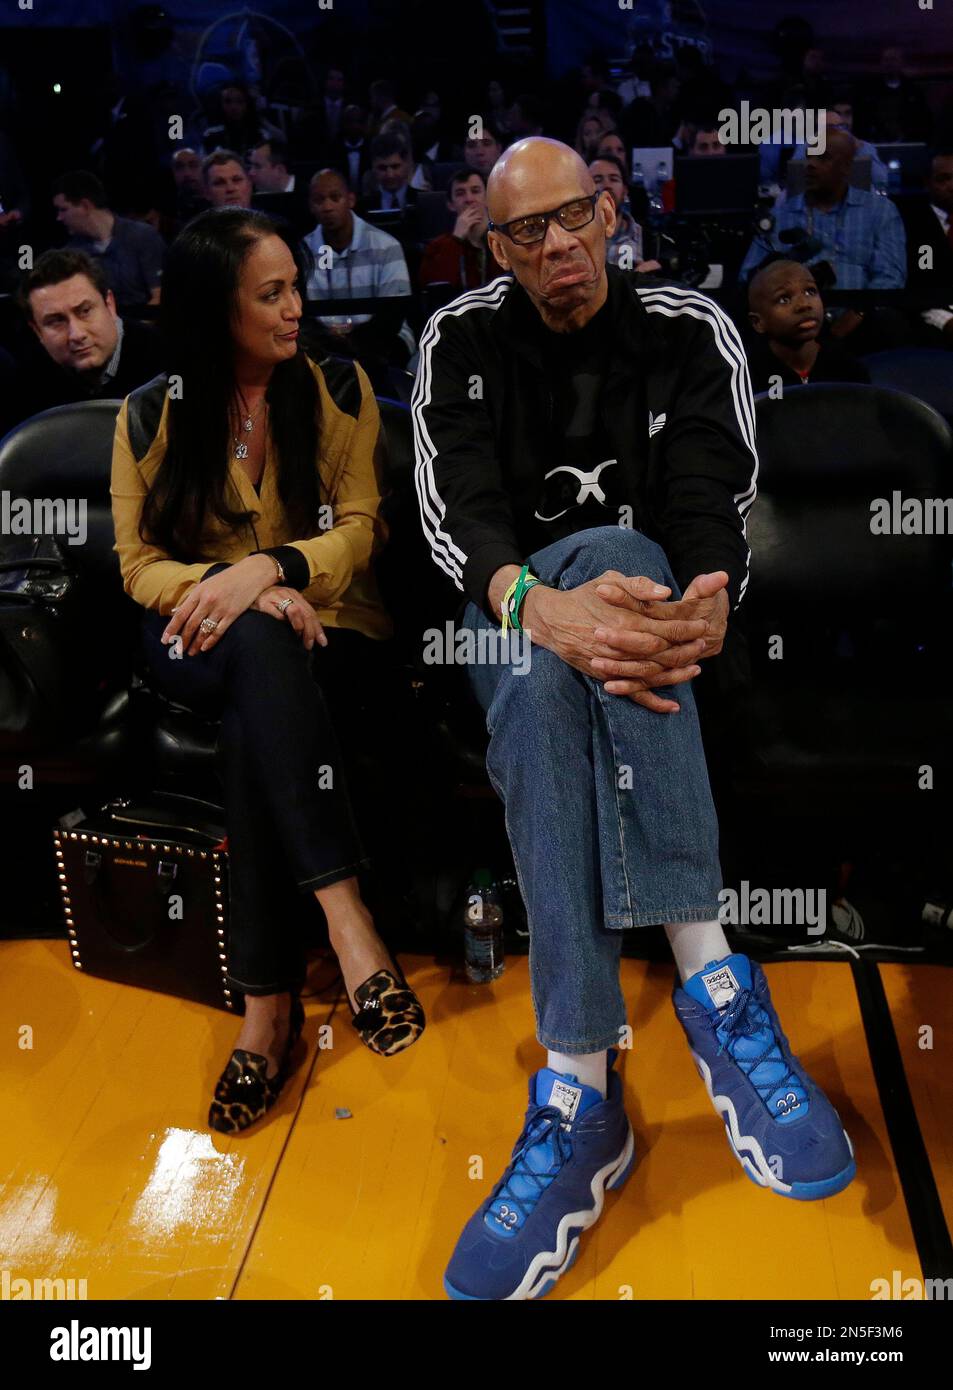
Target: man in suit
350	154
276	189
383	102
88	351
392	167
891	105
189	191
332	106
319	127
928	220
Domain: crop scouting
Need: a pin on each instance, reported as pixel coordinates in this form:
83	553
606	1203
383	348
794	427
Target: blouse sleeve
358	531
149	575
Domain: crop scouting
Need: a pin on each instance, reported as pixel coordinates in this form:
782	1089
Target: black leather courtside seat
66	453
860	699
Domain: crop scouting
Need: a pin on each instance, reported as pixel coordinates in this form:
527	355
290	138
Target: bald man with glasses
585	463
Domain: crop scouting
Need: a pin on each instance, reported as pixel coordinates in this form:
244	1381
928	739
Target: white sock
694	944
589	1068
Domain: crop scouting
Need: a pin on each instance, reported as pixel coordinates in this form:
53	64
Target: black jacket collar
517	324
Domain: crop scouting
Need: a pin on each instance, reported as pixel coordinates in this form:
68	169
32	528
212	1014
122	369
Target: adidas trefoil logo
656	423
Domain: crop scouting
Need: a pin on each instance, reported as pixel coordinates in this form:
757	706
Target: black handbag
145	896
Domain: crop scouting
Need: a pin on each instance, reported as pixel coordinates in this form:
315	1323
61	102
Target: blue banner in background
574	30
739	33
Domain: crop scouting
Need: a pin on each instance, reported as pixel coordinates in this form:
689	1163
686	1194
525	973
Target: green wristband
519	591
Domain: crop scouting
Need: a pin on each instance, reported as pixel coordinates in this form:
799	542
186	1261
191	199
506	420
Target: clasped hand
625	632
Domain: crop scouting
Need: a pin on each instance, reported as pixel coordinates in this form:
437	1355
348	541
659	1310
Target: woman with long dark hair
246	492
240	126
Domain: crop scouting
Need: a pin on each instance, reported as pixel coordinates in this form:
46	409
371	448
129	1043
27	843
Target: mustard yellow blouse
342	588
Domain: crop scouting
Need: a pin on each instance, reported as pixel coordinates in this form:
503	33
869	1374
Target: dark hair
703	126
79	184
277	151
607	135
611	159
55	266
220	156
461	175
773	258
243	130
199	295
389	143
490	128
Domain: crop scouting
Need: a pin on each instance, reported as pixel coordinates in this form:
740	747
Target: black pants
289	818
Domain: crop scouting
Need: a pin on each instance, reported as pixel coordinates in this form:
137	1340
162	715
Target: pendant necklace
248	424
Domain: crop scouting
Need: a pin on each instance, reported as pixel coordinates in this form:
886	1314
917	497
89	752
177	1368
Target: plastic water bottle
894	176
483	930
638	177
661	174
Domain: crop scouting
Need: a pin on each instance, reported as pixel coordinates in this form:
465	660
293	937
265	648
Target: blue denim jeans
608	807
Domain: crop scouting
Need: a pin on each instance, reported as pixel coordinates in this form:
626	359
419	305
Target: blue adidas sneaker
781	1127
573	1148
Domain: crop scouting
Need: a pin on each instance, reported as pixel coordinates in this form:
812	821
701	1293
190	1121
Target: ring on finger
283	604
208	625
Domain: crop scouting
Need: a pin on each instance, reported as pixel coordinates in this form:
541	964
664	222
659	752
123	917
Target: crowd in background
387	188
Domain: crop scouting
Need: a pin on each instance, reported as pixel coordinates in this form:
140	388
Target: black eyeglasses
571	217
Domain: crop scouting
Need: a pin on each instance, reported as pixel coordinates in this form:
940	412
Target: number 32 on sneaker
574	1147
781	1127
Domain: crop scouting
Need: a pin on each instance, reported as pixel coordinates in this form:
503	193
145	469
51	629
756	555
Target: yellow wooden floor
108	1173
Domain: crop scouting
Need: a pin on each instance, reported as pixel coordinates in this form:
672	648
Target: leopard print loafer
389	1017
244	1092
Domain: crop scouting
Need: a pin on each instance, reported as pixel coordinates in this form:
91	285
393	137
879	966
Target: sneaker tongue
715	987
717	984
539	1159
565	1092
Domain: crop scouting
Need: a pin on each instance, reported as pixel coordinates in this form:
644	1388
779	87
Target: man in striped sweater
594	431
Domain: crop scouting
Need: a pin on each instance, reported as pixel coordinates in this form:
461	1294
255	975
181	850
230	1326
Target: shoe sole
538	1279
755	1166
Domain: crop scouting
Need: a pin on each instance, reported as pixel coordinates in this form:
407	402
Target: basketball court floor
358	1182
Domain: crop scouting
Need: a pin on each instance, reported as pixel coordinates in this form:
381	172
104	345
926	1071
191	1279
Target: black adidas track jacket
677	404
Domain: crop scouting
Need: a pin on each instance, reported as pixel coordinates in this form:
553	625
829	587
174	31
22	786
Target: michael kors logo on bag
133	863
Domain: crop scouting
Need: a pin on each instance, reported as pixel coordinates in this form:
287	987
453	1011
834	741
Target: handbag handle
166	871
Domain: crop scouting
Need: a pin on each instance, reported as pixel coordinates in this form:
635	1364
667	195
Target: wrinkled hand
663	643
705	600
299	613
